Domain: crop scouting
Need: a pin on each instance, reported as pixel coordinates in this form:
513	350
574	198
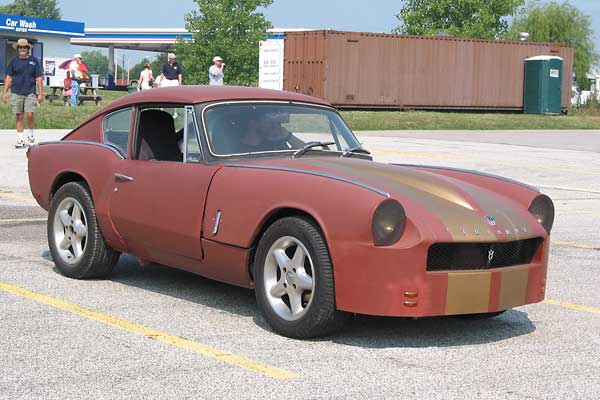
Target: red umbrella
67	65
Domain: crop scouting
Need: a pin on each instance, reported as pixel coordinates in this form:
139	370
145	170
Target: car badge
490	255
490	220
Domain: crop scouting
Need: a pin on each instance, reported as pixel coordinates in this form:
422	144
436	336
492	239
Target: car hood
465	211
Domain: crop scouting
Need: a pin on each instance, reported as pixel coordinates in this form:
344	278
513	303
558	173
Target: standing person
23	74
215	72
146	78
171	73
76	77
68	85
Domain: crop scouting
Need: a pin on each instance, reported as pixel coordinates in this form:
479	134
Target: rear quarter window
115	127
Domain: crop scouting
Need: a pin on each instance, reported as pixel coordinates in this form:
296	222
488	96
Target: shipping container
372	70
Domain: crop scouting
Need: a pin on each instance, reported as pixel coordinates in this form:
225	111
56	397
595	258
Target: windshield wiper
354	150
300	152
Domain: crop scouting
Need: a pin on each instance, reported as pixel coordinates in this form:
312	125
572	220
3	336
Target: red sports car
271	190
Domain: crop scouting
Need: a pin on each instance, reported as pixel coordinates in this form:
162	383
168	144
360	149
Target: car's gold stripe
152	333
513	287
468	292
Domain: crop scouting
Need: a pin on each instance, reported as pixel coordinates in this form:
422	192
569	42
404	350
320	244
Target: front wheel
294	280
76	243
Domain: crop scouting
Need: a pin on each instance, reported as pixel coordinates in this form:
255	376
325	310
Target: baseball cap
77	55
217	58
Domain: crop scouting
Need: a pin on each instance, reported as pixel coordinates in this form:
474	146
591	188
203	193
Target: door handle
123	178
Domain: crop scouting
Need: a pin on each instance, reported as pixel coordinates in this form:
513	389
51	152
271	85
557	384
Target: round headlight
388	223
542	209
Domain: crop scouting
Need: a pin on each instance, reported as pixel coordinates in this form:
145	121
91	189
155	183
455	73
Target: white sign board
270	64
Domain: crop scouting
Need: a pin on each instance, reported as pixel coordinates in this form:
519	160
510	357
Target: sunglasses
23	47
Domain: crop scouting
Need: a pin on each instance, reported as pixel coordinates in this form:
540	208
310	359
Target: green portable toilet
543	85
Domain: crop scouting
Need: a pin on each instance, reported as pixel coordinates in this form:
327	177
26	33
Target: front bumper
394	282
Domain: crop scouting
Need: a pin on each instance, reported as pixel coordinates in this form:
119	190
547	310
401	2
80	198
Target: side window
160	134
116	129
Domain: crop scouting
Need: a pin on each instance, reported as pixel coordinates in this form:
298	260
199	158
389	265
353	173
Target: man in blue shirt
23	74
171	72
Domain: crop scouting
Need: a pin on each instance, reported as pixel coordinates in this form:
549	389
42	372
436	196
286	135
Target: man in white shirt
215	72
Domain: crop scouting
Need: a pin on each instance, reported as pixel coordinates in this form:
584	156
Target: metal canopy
146	39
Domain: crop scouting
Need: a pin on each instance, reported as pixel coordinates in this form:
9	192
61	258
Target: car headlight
388	223
542	209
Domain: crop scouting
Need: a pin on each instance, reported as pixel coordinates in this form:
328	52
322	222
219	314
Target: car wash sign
20	24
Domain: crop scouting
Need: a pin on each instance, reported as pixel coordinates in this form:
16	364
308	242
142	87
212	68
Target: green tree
560	23
134	72
96	62
484	19
33	8
231	29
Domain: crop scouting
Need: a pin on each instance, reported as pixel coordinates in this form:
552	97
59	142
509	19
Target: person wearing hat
23	74
215	72
76	76
171	73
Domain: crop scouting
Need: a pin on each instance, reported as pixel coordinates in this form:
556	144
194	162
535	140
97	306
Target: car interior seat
157	137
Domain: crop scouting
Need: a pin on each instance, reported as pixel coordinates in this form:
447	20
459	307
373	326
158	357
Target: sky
352	15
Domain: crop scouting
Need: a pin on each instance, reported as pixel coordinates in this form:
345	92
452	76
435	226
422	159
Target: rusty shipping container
368	70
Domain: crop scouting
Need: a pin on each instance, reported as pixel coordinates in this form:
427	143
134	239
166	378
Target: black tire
97	259
319	317
478	316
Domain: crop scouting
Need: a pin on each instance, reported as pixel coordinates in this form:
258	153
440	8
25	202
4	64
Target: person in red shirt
68	85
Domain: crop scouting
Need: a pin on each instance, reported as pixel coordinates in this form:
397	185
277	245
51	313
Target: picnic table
86	94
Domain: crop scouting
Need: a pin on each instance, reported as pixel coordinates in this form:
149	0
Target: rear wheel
294	280
76	243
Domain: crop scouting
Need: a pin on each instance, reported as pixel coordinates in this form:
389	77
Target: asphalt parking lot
156	332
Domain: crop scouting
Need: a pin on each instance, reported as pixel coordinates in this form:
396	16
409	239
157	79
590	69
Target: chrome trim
197	129
123	178
109	146
470	171
185	132
217	222
254	102
309	172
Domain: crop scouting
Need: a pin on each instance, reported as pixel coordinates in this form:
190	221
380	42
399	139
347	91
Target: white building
51	40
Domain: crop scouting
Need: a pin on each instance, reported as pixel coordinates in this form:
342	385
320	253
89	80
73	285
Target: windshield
246	128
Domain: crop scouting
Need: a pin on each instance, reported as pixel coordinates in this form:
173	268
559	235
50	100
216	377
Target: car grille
460	256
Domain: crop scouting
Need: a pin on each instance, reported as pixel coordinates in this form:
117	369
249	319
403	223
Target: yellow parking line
573	306
24	220
152	333
17	197
574	245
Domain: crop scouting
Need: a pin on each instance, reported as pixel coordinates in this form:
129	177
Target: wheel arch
271	218
67	177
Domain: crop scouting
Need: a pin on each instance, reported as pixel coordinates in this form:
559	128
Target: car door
158	198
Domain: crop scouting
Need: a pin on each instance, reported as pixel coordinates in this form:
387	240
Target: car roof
203	93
